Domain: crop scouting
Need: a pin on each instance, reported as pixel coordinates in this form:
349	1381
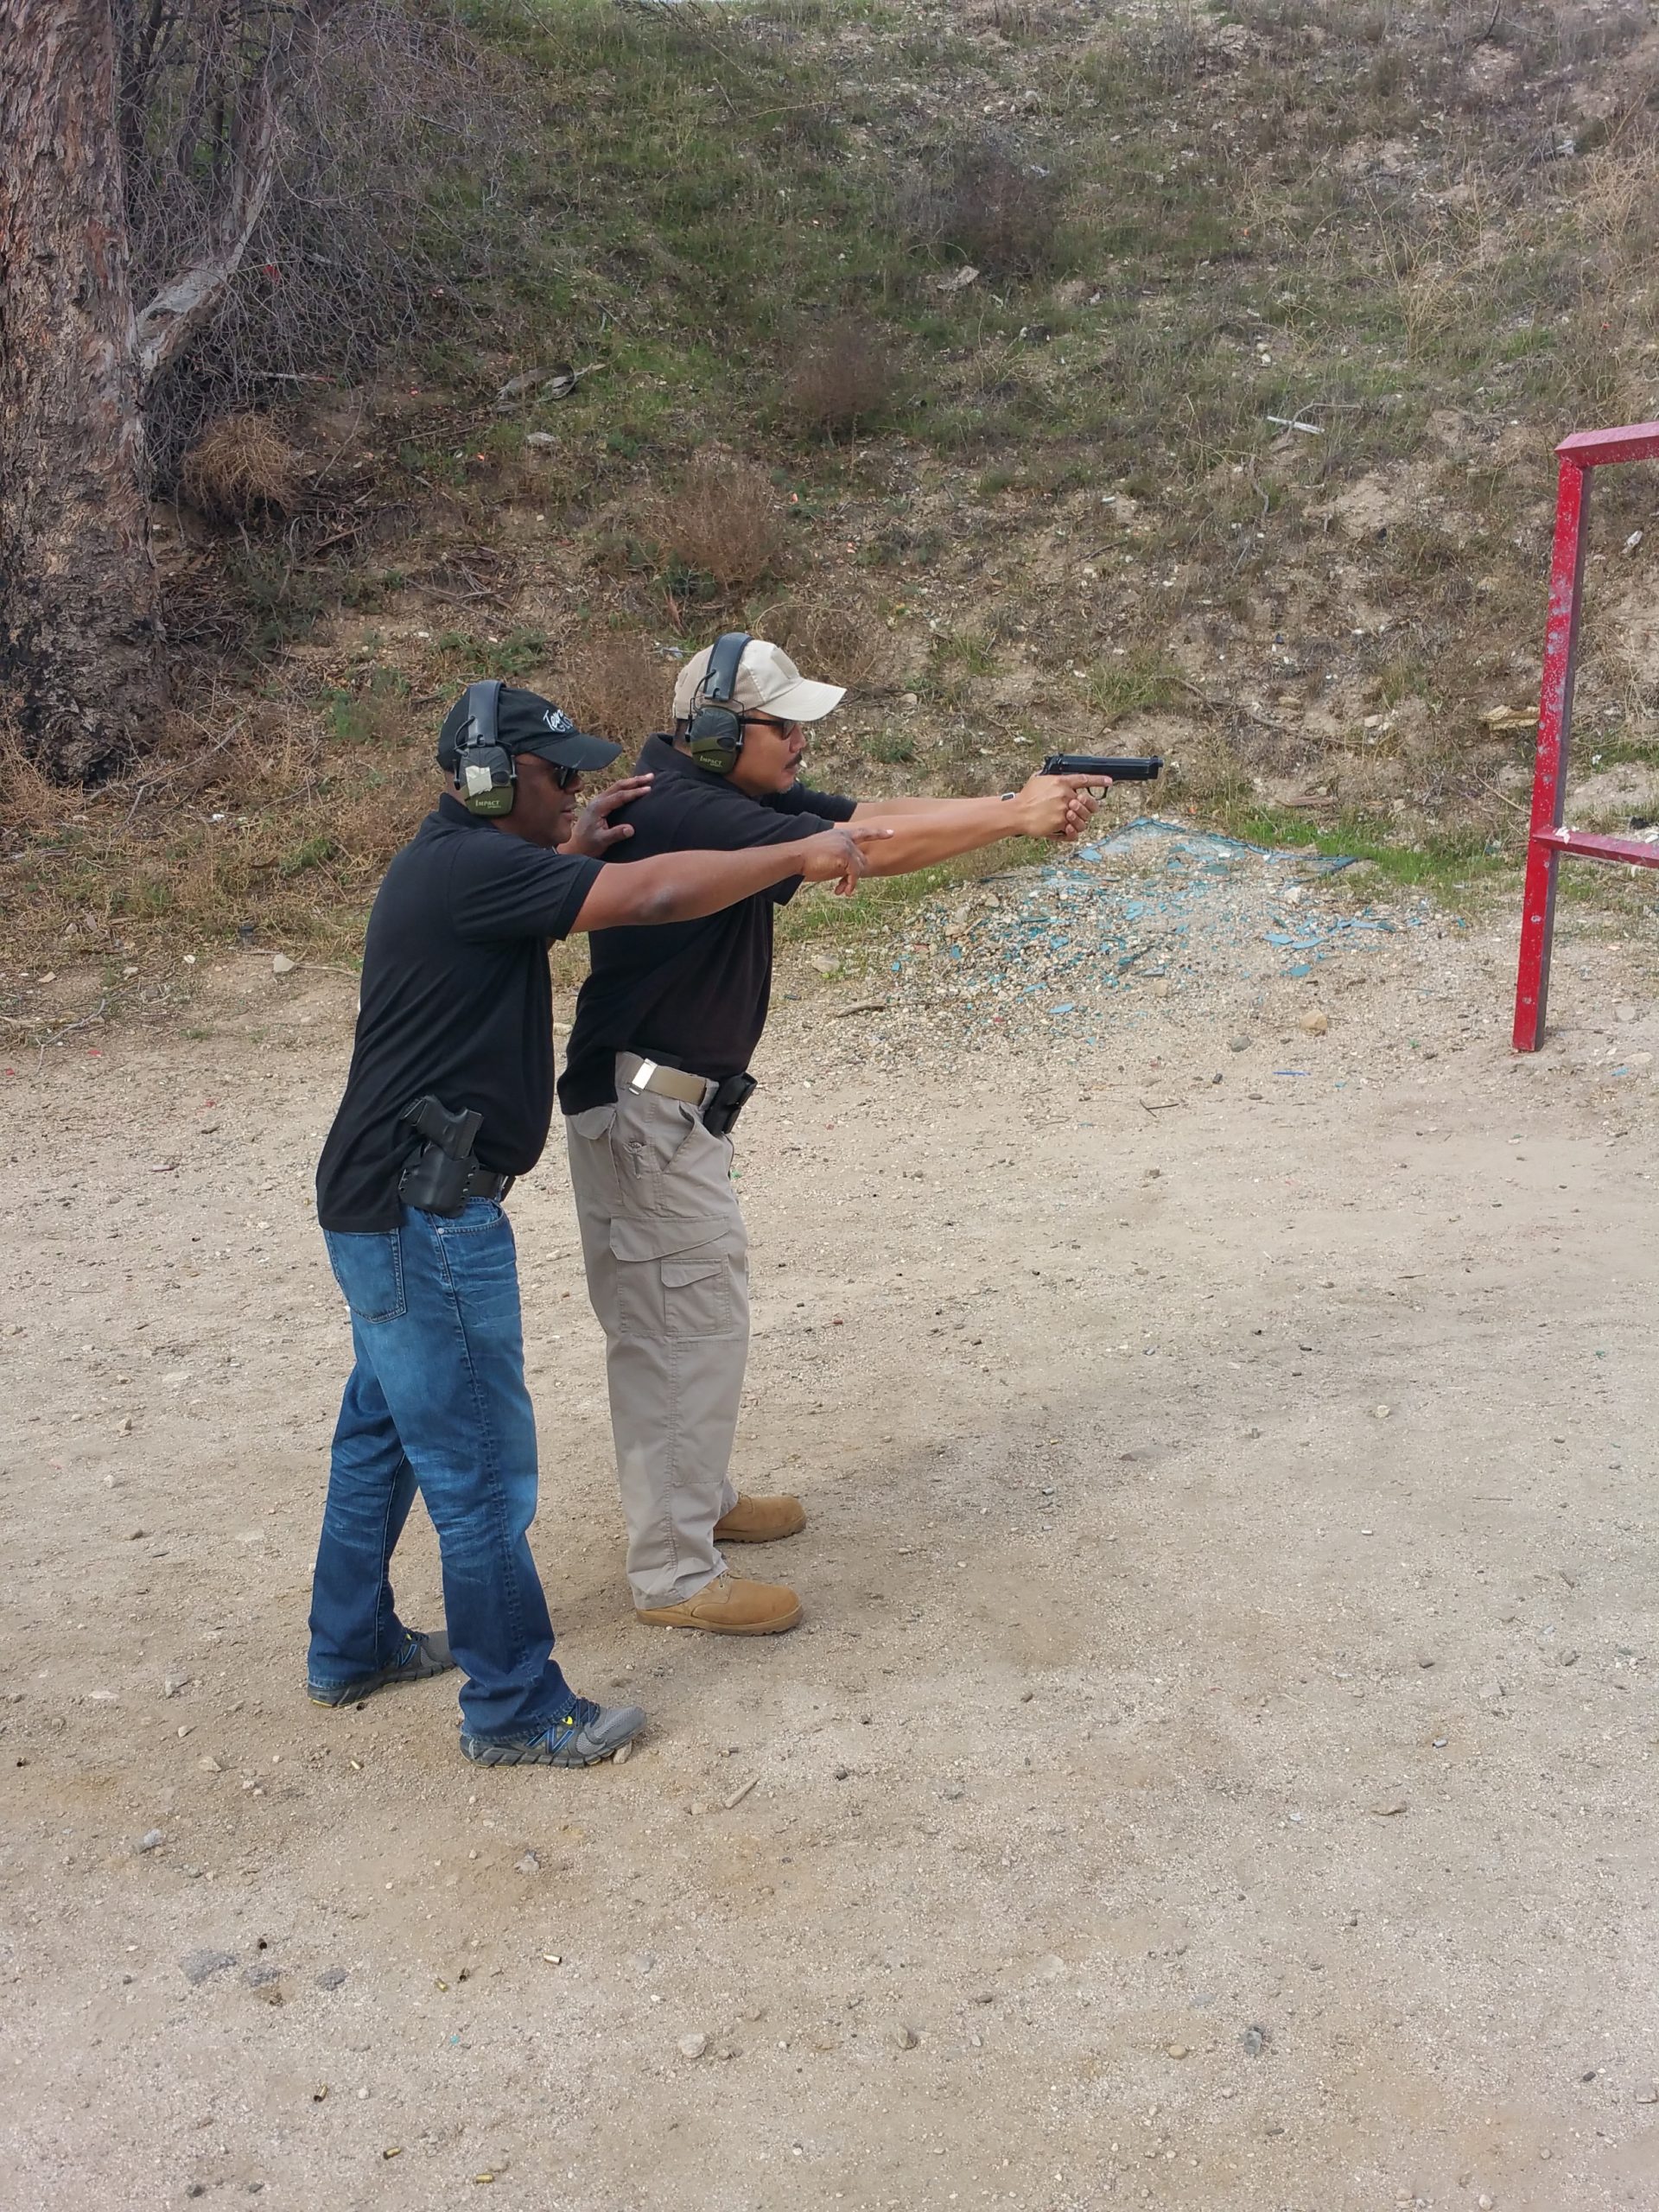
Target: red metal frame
1547	839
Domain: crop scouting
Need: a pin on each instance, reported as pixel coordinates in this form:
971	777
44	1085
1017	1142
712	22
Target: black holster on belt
730	1097
438	1177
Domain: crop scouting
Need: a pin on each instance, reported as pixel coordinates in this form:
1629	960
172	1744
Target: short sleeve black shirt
694	995
456	1001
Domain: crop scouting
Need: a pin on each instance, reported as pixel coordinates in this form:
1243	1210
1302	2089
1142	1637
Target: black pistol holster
730	1097
443	1174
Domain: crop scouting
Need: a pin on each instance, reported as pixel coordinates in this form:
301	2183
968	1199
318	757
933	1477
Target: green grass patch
1142	681
1442	862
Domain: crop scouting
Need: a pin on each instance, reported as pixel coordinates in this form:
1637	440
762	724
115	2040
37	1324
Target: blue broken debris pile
1156	900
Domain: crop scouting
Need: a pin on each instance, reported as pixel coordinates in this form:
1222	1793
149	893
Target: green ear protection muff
715	736
487	781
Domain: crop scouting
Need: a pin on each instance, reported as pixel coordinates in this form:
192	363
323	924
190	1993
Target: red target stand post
1547	839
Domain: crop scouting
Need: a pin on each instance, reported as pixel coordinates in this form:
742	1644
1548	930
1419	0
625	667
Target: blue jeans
436	1402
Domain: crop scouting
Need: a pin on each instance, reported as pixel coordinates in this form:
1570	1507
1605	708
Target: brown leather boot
729	1606
760	1519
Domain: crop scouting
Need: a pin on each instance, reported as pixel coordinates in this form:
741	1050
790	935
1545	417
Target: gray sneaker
592	1732
423	1655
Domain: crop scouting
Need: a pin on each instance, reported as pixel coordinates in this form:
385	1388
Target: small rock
1315	1023
693	2046
261	1974
622	1757
1569	1657
281	964
331	1977
1381	1413
1483	2202
1626	1012
540	441
902	2037
529	1864
842	1773
172	1684
149	1839
1176	2049
209	1765
1649	2096
1425	1659
1238	1044
1389	1807
1253	2041
198	1966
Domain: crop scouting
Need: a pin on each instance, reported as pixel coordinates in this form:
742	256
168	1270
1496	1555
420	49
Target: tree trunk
81	672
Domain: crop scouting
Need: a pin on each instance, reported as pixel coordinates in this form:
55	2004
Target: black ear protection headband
715	736
487	782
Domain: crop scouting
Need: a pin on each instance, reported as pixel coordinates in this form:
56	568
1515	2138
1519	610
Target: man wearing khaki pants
655	1074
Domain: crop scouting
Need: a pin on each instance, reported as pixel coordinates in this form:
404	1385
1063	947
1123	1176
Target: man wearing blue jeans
448	1101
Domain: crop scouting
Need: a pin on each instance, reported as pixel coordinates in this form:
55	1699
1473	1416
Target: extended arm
681	887
925	830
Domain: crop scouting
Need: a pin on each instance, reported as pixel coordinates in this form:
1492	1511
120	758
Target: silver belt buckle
640	1079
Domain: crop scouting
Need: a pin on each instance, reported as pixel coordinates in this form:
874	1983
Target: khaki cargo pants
667	1260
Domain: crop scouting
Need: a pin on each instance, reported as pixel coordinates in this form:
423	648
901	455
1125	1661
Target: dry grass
845	379
841	640
257	824
620	687
725	523
240	469
993	210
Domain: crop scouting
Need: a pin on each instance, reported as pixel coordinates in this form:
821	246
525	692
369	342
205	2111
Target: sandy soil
1218	1769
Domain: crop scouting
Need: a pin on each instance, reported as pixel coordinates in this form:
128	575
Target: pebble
1253	2041
693	2046
1649	2096
1381	1413
1483	2202
198	1966
1176	2049
149	1839
1569	1657
620	1758
1238	1044
172	1684
1315	1023
902	2037
529	1864
281	964
331	1977
209	1765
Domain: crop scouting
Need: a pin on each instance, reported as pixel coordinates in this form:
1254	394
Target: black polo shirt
691	994
456	1000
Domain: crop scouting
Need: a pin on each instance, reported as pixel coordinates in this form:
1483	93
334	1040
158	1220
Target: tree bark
81	660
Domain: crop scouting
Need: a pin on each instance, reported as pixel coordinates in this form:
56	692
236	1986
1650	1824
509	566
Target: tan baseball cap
768	682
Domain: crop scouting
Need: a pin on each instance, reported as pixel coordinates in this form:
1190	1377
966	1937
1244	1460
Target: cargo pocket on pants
696	1295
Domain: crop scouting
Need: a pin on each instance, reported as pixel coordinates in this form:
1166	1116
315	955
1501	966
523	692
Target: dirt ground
1218	1768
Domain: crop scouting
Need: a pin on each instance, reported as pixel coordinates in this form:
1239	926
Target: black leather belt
480	1184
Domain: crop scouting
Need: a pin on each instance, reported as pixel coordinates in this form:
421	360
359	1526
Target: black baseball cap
526	723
